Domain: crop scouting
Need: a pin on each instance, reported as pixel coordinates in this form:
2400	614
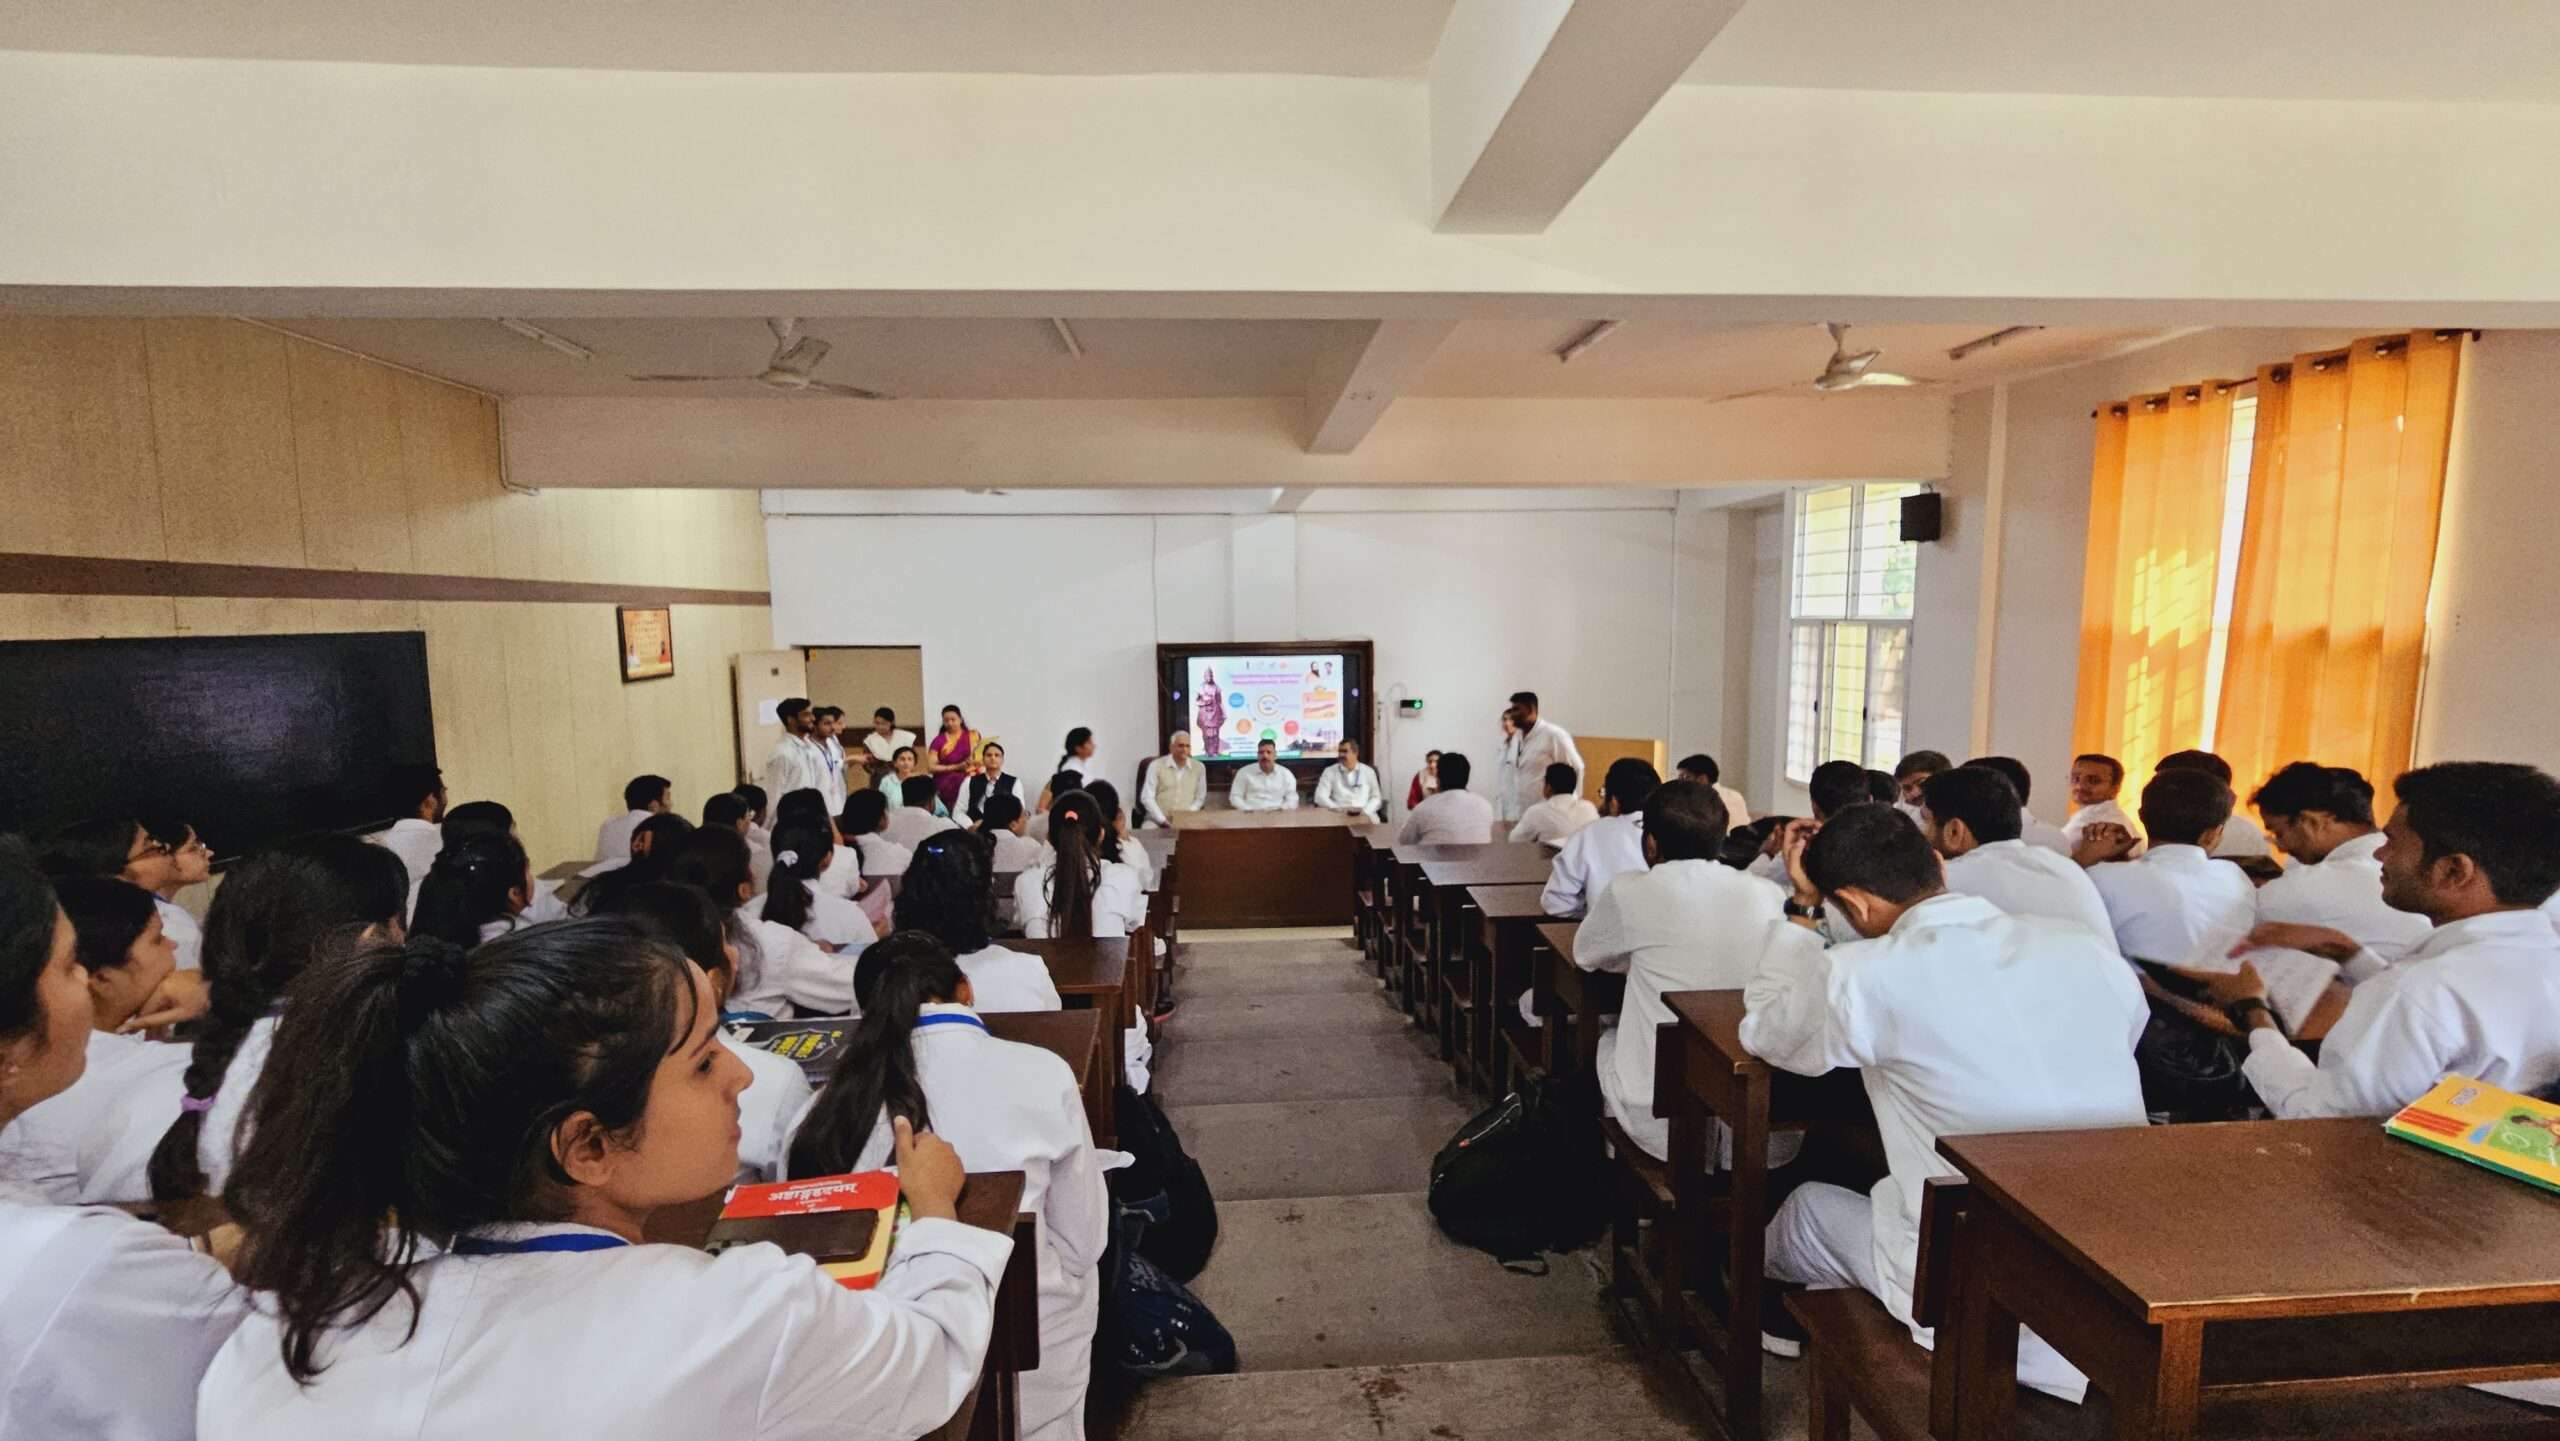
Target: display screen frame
1354	694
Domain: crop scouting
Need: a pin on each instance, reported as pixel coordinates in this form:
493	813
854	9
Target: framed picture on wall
645	635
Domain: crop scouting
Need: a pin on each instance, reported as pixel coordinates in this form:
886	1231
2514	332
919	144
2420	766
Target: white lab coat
1009	980
635	1341
1595	855
1010	1107
832	920
885	748
2242	839
93	1142
831	775
106	1324
909	825
2478	998
1541	746
881	856
2036	833
2090	815
1961	1020
1737	812
1448	818
788	972
777	1092
2343	891
1681	926
1554	820
1119	900
2164	904
220	1134
613	838
2026	880
841	876
795	765
1015	851
186	933
1355	789
1255	789
1189	785
417	843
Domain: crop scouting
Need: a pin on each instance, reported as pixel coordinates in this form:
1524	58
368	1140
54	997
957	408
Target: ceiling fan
1844	371
794	356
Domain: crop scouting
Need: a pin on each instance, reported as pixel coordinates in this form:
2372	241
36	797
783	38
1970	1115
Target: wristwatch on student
1803	912
2239	1011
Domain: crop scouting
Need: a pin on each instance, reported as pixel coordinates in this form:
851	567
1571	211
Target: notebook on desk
2486	1126
844	1223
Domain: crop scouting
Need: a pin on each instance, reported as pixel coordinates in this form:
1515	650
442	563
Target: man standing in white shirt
2323	817
2031	830
796	763
642	797
1172	782
2242	840
1263	786
1960	1019
2166	904
1971	817
1555	820
2475	848
417	837
1607	848
830	722
1451	815
1348	786
1703	767
2096	780
1542	743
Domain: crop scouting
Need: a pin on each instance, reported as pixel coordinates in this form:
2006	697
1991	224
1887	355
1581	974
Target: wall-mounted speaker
1922	516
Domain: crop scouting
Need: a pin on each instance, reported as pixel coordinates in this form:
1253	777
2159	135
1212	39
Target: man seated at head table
1348	786
1264	785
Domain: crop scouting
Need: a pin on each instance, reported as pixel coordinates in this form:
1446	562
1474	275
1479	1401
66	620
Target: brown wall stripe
24	574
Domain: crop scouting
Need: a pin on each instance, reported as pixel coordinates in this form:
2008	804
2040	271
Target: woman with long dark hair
922	1053
1079	892
1075	759
819	975
841	873
476	890
949	894
653	850
776	964
108	1322
269	920
1119	843
445	1192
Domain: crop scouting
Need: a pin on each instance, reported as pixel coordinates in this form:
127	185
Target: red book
844	1223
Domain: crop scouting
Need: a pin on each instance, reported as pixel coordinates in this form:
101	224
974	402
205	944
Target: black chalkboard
248	738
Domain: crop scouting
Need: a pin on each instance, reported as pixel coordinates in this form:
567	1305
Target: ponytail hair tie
432	972
1072	815
195	1105
786	858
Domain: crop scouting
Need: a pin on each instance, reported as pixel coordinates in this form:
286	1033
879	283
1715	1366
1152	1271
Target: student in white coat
836	926
1833	787
1971	816
92	1142
1911	774
781	971
1555	820
945	896
1701	766
161	855
1960	1019
2168	902
1685	924
493	818
884	739
479	887
267	924
106	1322
1263	785
1541	743
2242	840
642	797
1452	815
829	737
1075	758
2323	817
916	816
418	834
922	1055
2031	830
2475	848
1004	826
1172	782
1350	787
1079	892
506	1122
796	762
1609	847
2096	781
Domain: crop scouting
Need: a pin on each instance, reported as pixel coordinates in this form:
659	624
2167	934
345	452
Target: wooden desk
1074	1037
1560	988
1265	868
566	870
1411	918
1505	942
1094	974
2261	1259
1442	898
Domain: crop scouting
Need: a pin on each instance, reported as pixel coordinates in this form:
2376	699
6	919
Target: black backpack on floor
1151	1324
1185	1228
1522	1178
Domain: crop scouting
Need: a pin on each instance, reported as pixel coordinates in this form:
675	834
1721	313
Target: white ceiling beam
1289	498
1354	383
1530	97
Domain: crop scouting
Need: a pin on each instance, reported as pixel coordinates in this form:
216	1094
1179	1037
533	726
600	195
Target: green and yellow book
2487	1127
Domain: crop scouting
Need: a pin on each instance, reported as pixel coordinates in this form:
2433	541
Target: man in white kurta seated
2165	904
2242	840
1172	783
1554	820
1607	848
1702	767
1971	815
1263	785
1451	815
2096	781
2030	829
642	797
2475	848
1348	786
2323	817
1908	1007
911	822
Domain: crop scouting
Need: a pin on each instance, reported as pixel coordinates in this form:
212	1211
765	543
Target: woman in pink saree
1212	714
951	755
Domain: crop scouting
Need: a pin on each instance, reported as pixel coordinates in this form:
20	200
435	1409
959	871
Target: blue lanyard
949	1018
564	1241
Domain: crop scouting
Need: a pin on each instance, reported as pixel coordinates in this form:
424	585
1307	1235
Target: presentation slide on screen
1240	701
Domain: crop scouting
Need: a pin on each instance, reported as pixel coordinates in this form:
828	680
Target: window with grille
1848	627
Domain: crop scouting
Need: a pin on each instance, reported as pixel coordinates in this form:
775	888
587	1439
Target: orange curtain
2328	621
2146	610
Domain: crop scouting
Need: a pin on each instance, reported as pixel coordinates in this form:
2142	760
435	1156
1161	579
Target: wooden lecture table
1265	868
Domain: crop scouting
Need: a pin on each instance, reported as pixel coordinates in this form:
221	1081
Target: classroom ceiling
2486	50
984	359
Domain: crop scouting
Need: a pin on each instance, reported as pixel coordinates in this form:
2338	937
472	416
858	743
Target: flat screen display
1297	702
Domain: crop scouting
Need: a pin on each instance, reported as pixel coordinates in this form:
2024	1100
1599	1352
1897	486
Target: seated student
1971	816
842	873
1833	787
2166	903
506	1122
190	864
884	738
653	847
1350	787
1450	815
1907	1007
477	890
797	900
1263	785
93	1141
1079	892
990	781
1609	847
122	848
1119	843
650	823
1426	781
1172	782
2241	839
777	1089
864	823
492	818
1702	767
778	967
917	816
644	797
1884	790
268	922
904	766
947	895
1058	785
922	1054
1911	773
2323	817
1745	845
1003	826
2095	782
418	793
1563	811
2034	832
728	811
1684	924
107	1322
2475	848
